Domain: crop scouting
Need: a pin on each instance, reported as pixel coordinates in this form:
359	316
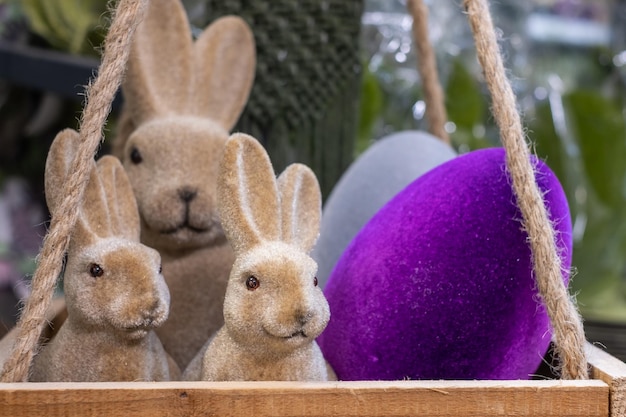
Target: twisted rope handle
565	319
434	97
98	99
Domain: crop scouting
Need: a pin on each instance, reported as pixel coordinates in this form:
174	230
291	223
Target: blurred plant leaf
600	132
592	176
74	26
546	141
464	101
466	107
599	260
370	107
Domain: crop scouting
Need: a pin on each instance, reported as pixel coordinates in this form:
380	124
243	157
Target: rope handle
98	98
436	114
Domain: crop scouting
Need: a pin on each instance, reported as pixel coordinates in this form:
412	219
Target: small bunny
273	309
181	100
114	290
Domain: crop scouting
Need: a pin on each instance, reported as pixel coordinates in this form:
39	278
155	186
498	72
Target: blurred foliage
371	105
466	108
590	165
464	101
74	26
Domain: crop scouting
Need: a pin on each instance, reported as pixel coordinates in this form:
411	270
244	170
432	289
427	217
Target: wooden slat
612	371
602	396
365	399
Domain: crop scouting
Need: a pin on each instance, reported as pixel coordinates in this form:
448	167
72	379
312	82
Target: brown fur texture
115	293
181	99
269	331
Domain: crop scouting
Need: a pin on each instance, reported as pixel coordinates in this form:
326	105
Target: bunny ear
120	200
93	220
225	61
159	67
58	162
247	193
301	206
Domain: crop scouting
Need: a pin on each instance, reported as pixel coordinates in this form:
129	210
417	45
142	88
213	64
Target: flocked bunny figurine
114	290
273	309
181	100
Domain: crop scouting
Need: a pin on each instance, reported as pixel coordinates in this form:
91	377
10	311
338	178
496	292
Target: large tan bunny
114	290
274	309
181	100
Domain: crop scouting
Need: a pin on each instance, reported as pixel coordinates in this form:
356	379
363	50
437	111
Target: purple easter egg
439	283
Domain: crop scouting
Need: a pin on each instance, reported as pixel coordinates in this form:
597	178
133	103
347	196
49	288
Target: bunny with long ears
273	309
181	100
114	290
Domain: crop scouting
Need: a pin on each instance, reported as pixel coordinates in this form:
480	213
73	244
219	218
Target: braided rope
427	66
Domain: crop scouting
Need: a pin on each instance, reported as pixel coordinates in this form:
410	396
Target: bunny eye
161	269
252	283
315	281
135	156
96	270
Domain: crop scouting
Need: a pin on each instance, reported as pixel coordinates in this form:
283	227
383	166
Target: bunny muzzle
118	285
273	302
152	313
296	326
148	310
172	166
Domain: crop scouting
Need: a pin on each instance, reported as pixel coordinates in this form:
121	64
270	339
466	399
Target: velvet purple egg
439	283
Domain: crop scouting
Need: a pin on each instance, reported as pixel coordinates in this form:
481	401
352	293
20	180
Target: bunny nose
303	317
187	194
153	313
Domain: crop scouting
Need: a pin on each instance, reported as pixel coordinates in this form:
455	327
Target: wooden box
603	395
